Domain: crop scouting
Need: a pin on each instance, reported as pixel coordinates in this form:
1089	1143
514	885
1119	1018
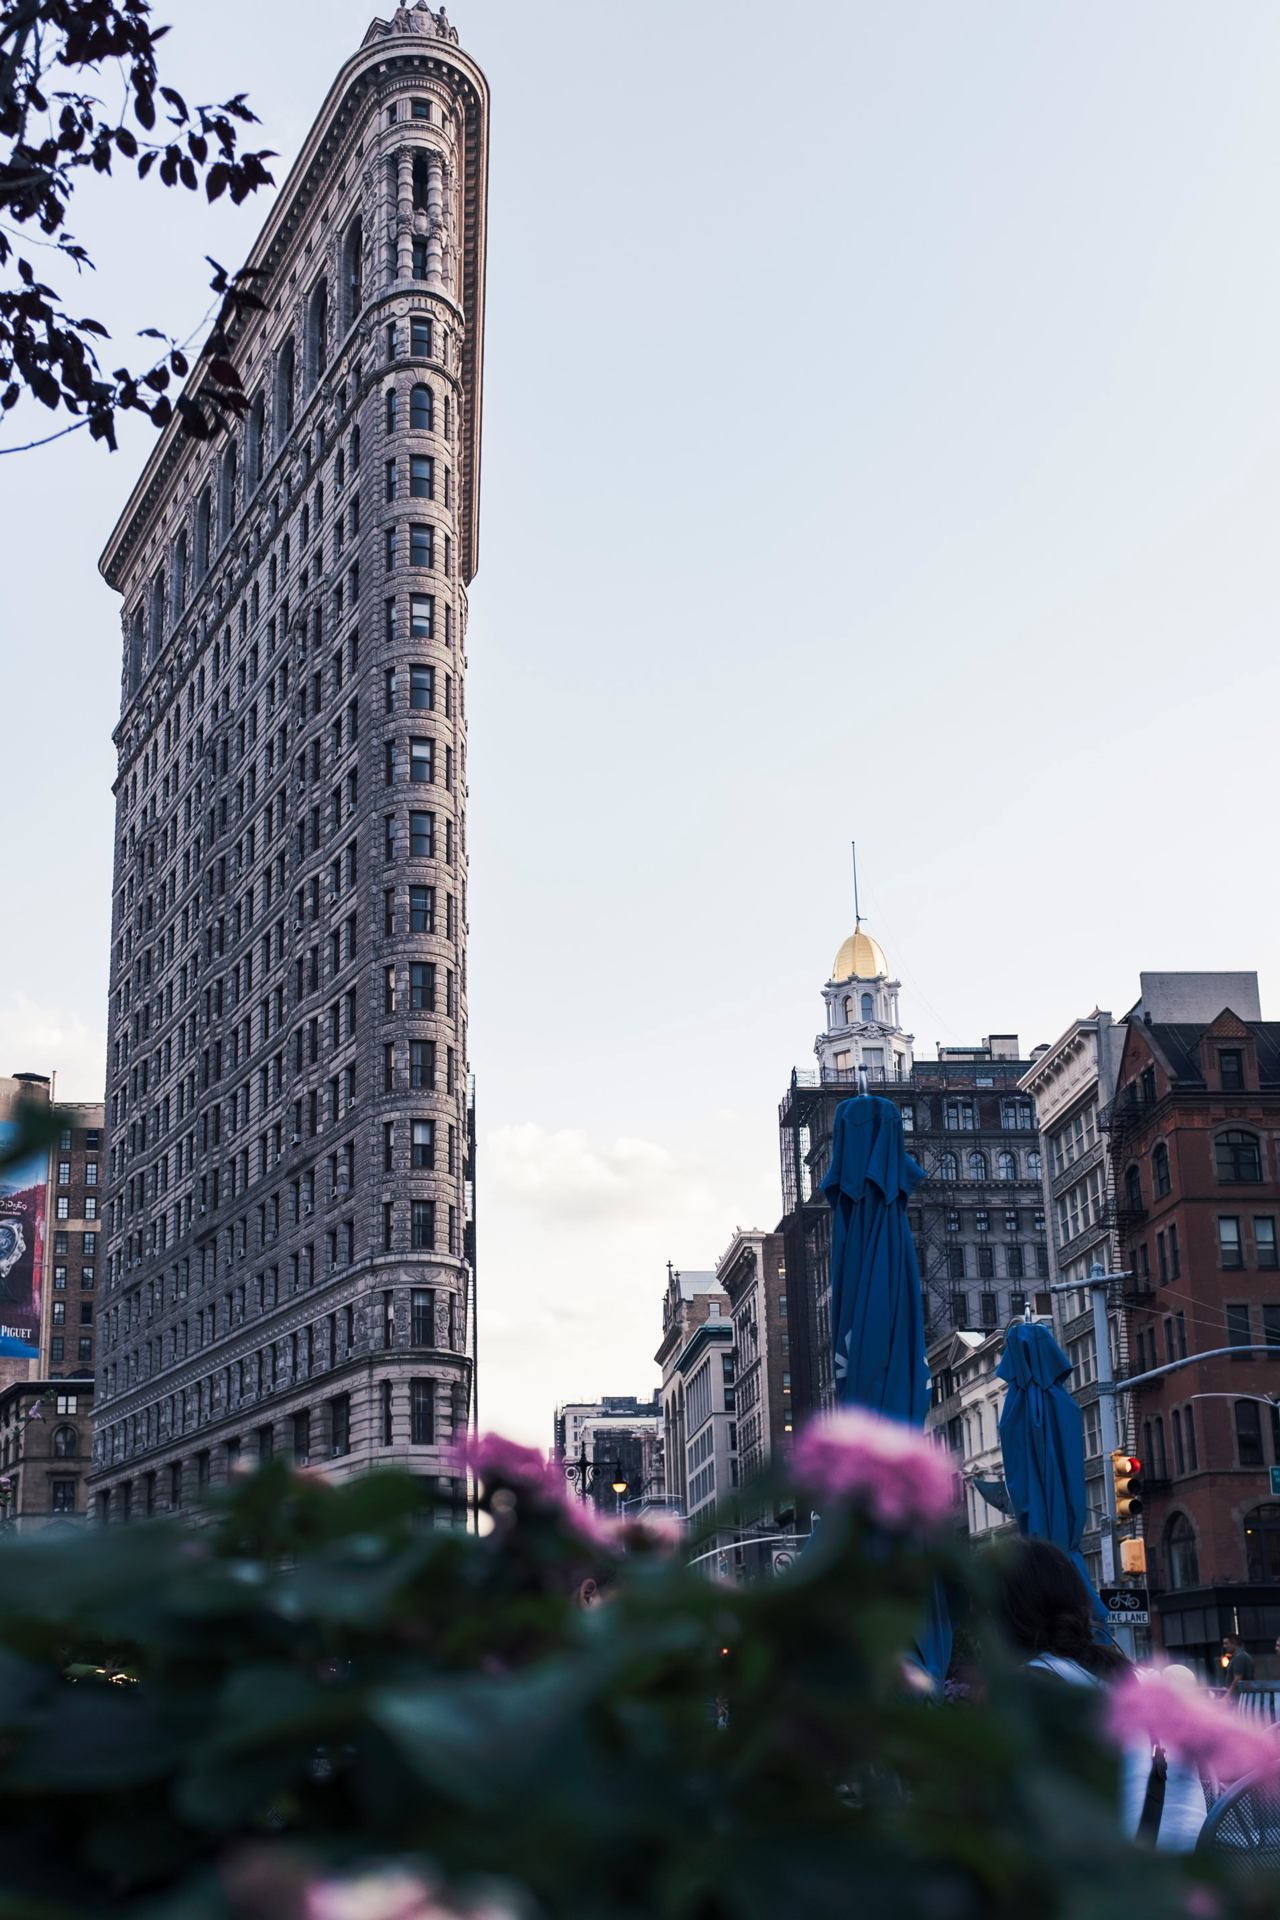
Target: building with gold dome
863	1037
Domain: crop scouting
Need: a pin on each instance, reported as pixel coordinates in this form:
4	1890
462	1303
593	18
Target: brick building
1195	1146
617	1431
289	1241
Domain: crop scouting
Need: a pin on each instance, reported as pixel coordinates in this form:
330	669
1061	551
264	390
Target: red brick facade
1196	1153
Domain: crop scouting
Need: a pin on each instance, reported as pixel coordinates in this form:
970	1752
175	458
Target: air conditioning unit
295	1140
307	1212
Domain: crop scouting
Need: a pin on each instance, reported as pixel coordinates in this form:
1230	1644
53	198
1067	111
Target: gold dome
860	958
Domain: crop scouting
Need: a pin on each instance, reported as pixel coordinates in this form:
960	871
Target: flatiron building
289	1228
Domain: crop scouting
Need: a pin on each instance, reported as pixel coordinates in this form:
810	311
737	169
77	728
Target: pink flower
36	1413
505	1463
391	1894
902	1479
1191	1724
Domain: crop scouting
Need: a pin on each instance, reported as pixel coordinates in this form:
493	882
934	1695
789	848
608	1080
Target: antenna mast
857	915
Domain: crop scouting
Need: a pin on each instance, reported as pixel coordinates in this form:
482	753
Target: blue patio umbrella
877	1315
1042	1440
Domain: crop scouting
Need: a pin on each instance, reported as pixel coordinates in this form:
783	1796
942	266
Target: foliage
52	127
318	1687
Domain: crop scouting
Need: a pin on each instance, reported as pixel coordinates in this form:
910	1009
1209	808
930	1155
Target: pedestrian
1044	1611
1238	1662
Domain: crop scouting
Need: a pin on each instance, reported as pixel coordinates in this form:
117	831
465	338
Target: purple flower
890	1469
390	1894
36	1412
1166	1706
505	1463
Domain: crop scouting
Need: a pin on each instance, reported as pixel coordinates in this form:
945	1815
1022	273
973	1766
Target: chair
1245	1823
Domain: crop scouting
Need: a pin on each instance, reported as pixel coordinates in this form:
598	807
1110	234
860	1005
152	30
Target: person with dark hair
1044	1610
1045	1614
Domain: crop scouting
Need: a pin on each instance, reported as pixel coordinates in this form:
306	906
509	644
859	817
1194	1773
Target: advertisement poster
22	1215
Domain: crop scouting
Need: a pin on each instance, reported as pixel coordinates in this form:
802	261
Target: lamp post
584	1473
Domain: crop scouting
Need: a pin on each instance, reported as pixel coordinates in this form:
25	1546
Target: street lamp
584	1473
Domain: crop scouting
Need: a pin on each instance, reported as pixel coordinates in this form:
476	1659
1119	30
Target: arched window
1238	1156
1160	1169
155	636
1133	1190
1262	1544
1181	1561
179	574
393	409
255	442
317	333
352	272
204	516
848	1009
421	408
227	494
1006	1165
285	371
65	1442
1033	1164
977	1166
304	530
340	469
947	1168
868	1006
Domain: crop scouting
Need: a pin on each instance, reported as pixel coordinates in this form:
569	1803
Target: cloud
565	1176
43	1039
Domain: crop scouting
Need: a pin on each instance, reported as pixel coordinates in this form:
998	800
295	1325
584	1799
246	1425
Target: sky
881	441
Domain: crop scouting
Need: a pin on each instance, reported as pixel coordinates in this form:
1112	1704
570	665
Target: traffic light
1133	1556
1126	1484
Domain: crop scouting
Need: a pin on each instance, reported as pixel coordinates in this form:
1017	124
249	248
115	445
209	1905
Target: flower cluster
1168	1708
506	1468
885	1466
392	1894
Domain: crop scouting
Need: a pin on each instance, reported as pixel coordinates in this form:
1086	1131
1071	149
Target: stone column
404	214
435	222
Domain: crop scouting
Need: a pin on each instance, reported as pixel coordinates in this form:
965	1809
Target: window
422	987
1180	1555
389	480
960	1310
1133	1191
1238	1157
422	688
422	836
977	1166
420	338
91	1206
422	1413
422	1063
1248	1433
868	1006
423	1225
959	1116
421	476
393	409
1017	1116
1160	1169
1239	1333
1007	1166
987	1309
948	1168
57	1346
63	1207
390	543
421	546
62	1496
1014	1263
422	909
424	1144
955	1263
1264	1241
422	616
986	1263
981	1220
1230	1252
340	1425
421	408
387	1415
1230	1069
422	1319
65	1443
1271	1331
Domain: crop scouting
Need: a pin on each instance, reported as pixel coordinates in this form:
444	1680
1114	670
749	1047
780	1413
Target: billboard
23	1200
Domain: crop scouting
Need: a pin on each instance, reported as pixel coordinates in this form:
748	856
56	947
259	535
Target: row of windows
962	1310
956	1262
977	1167
1237	1159
90	1175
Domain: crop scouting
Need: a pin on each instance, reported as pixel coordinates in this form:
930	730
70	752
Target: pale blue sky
881	439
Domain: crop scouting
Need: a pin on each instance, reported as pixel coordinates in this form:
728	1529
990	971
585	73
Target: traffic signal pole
1097	1286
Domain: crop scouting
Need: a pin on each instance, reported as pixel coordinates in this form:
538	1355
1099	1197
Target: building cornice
379	59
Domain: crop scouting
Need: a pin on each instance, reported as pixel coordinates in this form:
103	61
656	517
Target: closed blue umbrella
1042	1440
877	1315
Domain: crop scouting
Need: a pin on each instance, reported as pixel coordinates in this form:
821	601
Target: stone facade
690	1300
288	1229
620	1431
753	1273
